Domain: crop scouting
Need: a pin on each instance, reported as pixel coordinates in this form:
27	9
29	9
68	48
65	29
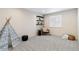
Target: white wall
22	21
69	23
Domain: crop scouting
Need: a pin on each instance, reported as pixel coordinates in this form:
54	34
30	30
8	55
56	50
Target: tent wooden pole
8	19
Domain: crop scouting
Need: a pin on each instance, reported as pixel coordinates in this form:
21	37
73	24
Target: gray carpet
47	43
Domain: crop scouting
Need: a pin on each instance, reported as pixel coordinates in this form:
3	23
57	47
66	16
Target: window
55	21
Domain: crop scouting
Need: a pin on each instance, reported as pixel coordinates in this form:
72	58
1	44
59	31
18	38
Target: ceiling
46	10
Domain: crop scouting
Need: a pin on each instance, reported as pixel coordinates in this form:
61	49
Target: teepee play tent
8	37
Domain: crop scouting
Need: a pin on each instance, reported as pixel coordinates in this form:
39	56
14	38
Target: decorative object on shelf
40	20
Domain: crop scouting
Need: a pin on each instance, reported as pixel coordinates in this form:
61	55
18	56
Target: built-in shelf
40	16
40	20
